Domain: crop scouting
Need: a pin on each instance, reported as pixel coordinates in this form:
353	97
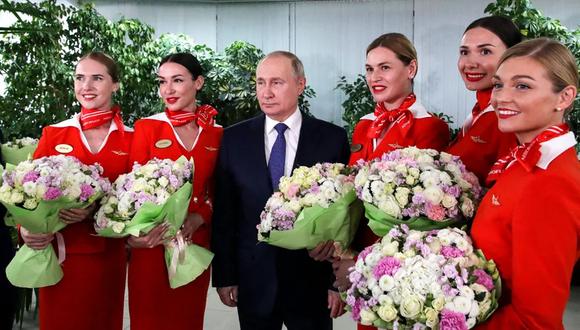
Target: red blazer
427	131
529	223
65	138
482	144
94	268
152	303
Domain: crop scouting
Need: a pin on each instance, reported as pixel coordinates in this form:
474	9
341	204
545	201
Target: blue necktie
278	156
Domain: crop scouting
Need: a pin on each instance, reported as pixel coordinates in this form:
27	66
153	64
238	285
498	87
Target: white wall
331	36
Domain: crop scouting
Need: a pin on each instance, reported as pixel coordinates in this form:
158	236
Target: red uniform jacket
529	223
152	303
426	132
94	268
480	143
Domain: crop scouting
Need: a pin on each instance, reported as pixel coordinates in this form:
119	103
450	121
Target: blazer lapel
257	153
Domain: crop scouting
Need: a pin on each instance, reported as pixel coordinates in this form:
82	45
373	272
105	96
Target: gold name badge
161	144
355	147
63	148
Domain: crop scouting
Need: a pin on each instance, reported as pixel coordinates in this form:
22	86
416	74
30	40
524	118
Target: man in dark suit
269	285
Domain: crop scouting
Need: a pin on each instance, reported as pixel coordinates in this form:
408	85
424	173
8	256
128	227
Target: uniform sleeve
140	145
435	136
544	244
43	147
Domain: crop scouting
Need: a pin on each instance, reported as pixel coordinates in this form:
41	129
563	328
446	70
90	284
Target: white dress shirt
292	134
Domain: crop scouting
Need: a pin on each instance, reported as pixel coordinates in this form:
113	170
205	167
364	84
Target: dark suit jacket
265	273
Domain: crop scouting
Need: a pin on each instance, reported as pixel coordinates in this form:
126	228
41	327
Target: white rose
438	303
390	206
387	312
361	177
118	227
163	181
390	249
293	205
74	192
470	322
461	305
386	283
402	196
432	317
435	246
16	197
467	207
385	299
29	188
372	259
388	176
413	171
30	203
433	194
474	310
448	201
367	317
466	292
445	178
411	306
410	180
401	168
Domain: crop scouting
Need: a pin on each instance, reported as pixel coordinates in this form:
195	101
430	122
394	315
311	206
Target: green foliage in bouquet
39	51
533	24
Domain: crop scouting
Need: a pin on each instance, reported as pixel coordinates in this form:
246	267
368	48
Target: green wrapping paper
195	259
316	224
17	155
381	223
39	268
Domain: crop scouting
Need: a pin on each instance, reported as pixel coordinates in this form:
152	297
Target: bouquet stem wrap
317	224
39	268
14	156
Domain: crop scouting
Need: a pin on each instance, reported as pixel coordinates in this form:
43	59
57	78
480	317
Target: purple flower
52	193
484	279
386	266
449	291
451	320
31	176
86	192
451	252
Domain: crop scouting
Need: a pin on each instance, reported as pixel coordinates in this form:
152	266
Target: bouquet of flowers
19	150
416	279
422	188
313	205
33	192
149	195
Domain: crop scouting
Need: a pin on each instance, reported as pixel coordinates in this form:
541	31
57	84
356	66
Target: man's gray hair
297	66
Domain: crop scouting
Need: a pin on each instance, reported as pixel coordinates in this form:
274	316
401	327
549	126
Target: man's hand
340	268
335	304
323	251
229	295
151	240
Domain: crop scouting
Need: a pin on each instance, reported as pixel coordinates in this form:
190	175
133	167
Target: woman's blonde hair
398	44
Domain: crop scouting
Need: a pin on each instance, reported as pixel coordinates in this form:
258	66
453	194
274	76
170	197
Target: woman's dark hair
189	61
502	27
107	61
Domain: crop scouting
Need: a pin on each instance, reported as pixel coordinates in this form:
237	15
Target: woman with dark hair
91	292
399	121
529	221
183	129
479	142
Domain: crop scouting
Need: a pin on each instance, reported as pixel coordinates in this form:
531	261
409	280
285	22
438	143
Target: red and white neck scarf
385	117
203	115
527	154
483	101
92	118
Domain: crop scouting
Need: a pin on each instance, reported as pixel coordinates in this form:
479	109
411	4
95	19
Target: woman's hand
190	225
341	272
36	241
152	239
70	216
323	251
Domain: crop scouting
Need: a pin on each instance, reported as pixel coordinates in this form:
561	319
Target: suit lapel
257	153
306	143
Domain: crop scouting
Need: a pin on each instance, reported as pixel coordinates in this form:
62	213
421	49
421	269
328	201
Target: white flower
16	197
118	227
467	207
391	248
466	292
448	201
390	207
433	194
432	317
163	182
438	303
461	304
386	283
367	317
30	203
402	196
411	306
387	312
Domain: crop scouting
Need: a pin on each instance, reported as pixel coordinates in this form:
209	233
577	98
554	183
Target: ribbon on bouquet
61	247
178	255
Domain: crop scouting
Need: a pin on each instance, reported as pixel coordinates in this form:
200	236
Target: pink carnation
451	252
484	279
52	193
435	212
451	320
386	266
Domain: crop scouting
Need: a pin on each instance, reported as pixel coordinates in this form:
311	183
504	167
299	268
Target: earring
558	109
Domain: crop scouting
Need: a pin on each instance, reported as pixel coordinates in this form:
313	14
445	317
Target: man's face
277	88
